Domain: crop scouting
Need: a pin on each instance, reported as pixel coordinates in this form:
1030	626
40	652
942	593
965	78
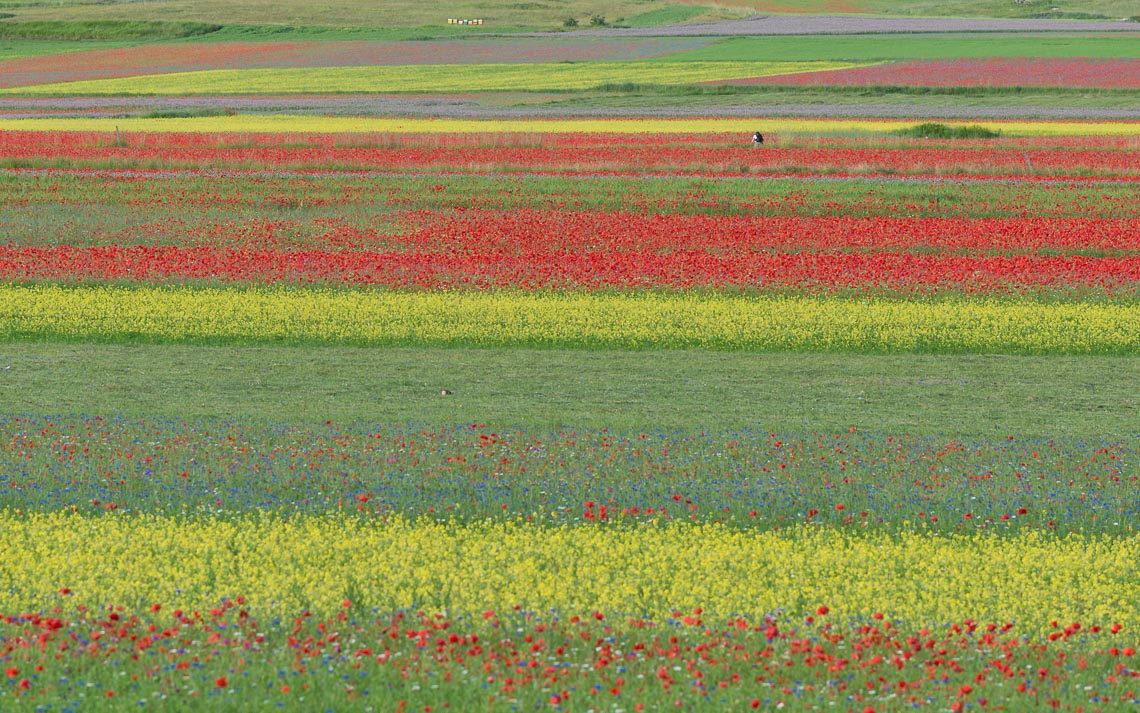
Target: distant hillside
498	17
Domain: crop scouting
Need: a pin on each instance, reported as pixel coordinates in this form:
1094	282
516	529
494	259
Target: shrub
932	130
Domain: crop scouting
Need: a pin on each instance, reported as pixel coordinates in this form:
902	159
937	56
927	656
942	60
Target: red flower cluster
533	249
586	658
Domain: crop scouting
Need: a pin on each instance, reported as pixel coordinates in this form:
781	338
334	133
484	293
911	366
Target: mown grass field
553	389
472	403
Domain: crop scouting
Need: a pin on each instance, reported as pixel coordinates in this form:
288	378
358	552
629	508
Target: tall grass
77	30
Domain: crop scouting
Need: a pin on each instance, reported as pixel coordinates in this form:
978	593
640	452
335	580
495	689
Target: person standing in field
757	139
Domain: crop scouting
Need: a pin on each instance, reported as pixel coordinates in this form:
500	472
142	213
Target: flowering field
283	128
425	78
983	72
999	160
334	563
238	562
190	57
569	319
849	482
542	212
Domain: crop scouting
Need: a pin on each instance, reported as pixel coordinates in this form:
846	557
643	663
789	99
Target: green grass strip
71	30
576	320
919	394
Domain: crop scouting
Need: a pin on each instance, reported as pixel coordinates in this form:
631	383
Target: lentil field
242	559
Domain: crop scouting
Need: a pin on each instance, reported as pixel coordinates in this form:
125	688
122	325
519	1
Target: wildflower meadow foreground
567	399
166	562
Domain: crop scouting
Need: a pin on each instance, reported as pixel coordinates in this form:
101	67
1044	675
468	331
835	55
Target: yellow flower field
429	78
285	566
282	123
568	319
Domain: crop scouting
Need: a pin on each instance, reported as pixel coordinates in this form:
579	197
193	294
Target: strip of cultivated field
313	563
357	125
568	319
424	78
924	395
521	213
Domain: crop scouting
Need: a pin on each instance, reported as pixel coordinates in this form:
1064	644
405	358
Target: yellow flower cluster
280	123
430	78
601	320
284	565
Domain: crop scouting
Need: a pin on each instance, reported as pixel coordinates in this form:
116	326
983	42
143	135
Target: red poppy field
1087	157
520	213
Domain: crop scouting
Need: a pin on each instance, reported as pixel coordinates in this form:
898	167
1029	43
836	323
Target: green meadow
922	395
